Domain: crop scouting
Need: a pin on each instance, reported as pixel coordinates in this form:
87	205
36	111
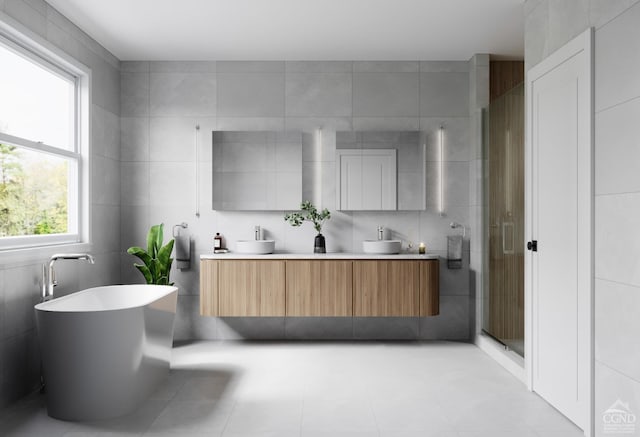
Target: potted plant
310	213
156	259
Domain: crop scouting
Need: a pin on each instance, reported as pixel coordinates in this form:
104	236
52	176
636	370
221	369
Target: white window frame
22	248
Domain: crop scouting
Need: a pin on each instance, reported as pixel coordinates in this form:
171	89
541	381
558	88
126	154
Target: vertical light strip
197	172
317	180
508	173
441	170
424	175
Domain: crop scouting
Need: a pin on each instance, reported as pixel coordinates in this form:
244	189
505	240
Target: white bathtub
105	349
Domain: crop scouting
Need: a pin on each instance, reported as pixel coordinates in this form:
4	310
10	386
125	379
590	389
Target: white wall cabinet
366	179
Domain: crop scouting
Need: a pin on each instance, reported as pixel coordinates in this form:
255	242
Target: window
41	153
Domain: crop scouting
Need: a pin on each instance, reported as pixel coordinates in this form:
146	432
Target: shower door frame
505	299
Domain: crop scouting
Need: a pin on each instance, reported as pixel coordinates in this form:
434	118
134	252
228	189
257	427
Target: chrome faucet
256	231
49	275
380	233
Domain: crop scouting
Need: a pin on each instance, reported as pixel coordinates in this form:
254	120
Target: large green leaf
164	256
152	240
159	238
169	266
156	269
145	272
140	253
157	258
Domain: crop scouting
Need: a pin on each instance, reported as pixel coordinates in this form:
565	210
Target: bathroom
152	125
259	104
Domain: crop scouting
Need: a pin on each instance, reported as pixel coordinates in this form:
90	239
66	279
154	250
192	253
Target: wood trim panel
319	288
429	288
251	288
209	287
503	76
386	288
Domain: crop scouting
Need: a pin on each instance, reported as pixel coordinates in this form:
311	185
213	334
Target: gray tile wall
158	170
549	25
617	238
20	282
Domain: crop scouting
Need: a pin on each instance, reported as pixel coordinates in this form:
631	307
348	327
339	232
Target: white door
560	221
379	180
350	181
366	179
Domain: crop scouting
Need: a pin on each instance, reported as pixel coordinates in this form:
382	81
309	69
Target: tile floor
240	389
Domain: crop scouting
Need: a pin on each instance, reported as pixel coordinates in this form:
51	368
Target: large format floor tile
306	389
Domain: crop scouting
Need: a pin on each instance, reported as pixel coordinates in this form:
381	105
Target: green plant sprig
309	213
157	258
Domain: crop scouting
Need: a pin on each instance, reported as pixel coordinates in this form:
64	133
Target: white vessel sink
255	247
383	247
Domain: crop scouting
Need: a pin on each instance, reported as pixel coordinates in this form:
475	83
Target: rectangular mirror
380	171
257	171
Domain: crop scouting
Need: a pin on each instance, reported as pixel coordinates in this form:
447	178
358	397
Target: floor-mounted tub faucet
49	275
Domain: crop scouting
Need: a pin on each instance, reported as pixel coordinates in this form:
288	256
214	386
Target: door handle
507	237
532	245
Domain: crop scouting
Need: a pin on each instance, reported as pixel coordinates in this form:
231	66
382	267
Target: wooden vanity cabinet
319	288
209	287
402	288
386	288
429	288
244	288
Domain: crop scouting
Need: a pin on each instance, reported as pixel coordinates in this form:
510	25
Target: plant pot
319	244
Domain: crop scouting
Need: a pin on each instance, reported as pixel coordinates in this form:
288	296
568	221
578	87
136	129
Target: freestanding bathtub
105	349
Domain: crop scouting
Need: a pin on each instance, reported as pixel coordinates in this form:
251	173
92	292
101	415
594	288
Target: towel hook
182	225
455	225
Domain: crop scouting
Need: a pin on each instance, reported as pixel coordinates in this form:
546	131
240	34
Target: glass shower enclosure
503	287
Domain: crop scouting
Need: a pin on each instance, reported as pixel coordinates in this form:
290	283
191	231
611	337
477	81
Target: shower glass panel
503	288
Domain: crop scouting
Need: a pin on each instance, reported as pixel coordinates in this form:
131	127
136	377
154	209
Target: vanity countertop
334	255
